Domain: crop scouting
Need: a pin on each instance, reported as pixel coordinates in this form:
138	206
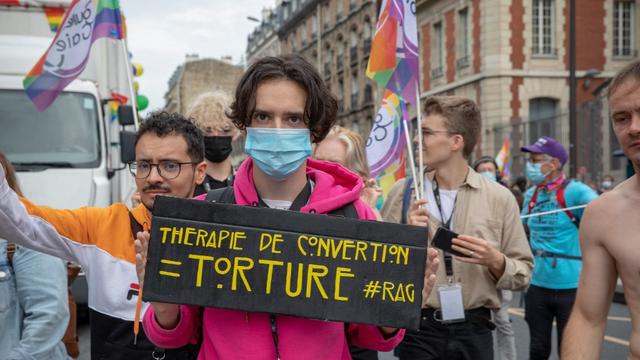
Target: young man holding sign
477	222
283	106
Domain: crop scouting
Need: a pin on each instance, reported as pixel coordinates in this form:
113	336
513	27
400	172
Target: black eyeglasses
429	132
168	169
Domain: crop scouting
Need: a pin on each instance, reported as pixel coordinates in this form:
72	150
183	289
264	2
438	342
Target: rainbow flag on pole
394	61
68	54
393	64
503	159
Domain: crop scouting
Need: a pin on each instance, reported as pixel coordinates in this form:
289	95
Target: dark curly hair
162	123
321	106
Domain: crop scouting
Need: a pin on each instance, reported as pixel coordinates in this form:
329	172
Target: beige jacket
487	210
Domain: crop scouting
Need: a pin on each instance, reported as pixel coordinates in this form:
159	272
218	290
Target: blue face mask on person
278	152
489	175
534	173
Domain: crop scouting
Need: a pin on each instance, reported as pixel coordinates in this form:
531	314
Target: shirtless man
610	235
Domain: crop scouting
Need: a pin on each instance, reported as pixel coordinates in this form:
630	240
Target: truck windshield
64	135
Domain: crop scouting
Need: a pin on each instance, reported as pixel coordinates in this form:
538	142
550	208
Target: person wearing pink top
282	105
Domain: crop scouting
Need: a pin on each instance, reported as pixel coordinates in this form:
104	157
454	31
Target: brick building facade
511	56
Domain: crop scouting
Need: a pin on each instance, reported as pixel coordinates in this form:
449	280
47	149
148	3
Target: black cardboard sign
285	262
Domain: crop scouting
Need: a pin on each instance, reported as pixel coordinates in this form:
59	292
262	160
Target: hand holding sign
167	314
430	274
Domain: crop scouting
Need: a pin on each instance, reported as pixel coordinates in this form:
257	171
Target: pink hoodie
232	334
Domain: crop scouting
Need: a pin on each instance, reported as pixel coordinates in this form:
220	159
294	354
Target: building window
542	118
340	56
314	26
340	95
437	52
326	14
354	46
354	89
543	34
303	35
623	28
463	38
339	9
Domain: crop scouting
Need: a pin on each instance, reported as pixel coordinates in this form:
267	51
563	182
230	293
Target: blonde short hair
356	159
208	111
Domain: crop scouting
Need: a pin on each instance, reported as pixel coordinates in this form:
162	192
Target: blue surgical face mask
489	175
534	173
278	152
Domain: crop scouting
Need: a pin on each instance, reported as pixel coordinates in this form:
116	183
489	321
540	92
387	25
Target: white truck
72	154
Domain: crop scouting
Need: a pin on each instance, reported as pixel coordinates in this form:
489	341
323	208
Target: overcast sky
161	32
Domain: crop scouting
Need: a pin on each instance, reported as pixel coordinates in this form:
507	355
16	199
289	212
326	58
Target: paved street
615	346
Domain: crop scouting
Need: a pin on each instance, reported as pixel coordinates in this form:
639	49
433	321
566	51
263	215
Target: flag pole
128	71
405	125
420	139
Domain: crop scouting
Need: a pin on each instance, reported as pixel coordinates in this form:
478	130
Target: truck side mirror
127	146
125	115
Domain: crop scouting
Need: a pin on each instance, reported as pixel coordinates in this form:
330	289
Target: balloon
138	70
136	87
142	102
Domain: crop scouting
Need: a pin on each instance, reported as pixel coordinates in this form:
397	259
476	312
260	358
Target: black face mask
217	148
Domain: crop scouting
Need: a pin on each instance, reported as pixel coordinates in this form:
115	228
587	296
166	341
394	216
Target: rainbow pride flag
386	142
503	159
54	17
394	61
68	54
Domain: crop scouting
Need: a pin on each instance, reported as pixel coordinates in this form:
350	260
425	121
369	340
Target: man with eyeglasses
491	243
169	162
554	242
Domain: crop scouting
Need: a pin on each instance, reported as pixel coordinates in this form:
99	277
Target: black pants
542	306
362	354
471	339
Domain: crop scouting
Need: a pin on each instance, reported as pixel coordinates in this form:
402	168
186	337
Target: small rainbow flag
68	54
504	160
54	16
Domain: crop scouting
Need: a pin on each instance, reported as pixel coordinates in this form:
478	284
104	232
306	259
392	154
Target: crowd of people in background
517	234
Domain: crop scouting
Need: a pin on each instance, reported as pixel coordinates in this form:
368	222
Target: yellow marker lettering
265	241
361	247
315	272
188	231
277	238
164	231
201	238
270	264
212	240
375	251
240	235
240	269
411	292
347	244
323	247
201	259
222	236
403	255
176	232
335	250
387	287
299	276
227	266
400	294
302	238
340	273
